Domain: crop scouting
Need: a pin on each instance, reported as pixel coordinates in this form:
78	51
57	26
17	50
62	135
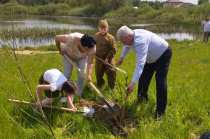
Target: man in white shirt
152	55
53	82
206	29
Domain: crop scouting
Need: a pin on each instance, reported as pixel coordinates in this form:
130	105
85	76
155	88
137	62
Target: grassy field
188	99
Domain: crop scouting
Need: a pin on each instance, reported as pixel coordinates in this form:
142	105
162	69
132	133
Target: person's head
125	35
103	26
208	18
41	79
87	42
69	87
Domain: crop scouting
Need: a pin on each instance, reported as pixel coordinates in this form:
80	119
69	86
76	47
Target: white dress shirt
206	27
148	48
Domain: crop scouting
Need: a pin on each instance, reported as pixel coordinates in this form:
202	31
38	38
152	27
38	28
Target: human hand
89	78
62	51
119	62
130	87
38	106
74	109
106	61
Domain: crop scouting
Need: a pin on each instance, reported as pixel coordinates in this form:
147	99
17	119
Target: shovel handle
116	68
45	106
101	95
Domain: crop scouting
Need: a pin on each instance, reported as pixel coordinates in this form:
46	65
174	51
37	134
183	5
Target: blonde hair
103	23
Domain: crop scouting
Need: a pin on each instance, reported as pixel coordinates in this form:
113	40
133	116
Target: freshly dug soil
117	121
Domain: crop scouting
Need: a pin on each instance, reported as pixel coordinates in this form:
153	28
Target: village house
178	3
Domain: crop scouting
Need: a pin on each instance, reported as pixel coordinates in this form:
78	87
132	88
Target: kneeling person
53	82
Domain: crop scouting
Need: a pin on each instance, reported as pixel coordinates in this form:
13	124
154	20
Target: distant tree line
89	7
113	4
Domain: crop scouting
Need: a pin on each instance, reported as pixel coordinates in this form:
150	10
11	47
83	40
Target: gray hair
123	32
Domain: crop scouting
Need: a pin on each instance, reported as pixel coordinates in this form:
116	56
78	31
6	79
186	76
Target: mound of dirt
117	120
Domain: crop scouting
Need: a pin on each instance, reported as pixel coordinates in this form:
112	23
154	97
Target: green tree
4	1
203	1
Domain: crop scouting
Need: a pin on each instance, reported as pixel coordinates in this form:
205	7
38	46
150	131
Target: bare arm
90	65
70	102
39	91
60	39
89	71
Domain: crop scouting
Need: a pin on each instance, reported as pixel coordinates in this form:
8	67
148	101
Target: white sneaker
63	100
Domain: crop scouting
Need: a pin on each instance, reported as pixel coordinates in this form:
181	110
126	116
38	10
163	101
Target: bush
81	11
121	12
53	9
13	9
146	12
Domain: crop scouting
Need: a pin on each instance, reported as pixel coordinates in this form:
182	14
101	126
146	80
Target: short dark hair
87	41
41	79
69	87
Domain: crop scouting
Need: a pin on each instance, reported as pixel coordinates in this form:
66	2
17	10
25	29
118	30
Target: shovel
108	103
87	111
101	96
112	66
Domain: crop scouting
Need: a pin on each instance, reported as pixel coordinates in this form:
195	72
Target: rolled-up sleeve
124	51
141	48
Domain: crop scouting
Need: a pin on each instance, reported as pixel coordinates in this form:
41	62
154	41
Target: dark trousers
100	69
160	68
206	36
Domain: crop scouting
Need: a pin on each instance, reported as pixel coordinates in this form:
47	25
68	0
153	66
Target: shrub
13	9
53	9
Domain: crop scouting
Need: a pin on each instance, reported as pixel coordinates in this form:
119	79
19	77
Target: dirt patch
115	118
118	121
29	52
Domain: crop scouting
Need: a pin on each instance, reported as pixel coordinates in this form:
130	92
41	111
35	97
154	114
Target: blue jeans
82	65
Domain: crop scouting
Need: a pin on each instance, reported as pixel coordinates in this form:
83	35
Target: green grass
188	99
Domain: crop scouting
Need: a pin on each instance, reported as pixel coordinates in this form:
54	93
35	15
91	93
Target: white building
179	3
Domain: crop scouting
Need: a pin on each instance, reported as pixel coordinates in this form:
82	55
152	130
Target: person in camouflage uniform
105	50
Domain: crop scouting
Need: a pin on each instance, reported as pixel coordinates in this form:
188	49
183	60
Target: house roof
174	1
194	2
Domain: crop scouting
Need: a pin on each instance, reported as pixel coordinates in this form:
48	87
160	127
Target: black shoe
158	116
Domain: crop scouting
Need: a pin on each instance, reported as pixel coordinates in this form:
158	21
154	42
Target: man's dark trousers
160	67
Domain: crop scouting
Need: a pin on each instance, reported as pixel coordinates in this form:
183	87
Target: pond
40	31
